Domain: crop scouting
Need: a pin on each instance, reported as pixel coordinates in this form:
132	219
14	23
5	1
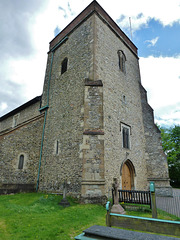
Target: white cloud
152	42
160	77
3	106
169	115
59	13
140	11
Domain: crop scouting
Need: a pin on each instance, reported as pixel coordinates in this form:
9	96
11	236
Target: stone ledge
93	132
93	83
16	188
94	199
7	131
158	179
93	182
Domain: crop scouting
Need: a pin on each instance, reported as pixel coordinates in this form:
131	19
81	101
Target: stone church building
92	122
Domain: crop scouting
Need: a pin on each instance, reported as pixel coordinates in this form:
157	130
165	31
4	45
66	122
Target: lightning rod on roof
130	27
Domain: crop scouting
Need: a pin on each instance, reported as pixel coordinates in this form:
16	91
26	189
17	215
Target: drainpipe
47	106
41	151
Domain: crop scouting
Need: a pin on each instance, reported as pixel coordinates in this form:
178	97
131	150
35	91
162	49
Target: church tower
97	121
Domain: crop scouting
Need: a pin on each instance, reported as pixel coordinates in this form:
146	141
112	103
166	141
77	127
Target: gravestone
116	208
64	202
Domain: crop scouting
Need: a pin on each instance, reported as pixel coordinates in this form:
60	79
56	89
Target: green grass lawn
38	216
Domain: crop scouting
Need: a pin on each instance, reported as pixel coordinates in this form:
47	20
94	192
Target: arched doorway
127	175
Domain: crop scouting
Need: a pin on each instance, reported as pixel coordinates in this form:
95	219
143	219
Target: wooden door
126	178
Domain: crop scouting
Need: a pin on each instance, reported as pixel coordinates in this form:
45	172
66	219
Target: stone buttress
93	142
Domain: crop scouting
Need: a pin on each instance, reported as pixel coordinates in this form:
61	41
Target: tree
171	146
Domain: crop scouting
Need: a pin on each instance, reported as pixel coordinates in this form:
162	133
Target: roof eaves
22	107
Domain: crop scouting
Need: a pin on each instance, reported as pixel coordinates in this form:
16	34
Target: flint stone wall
122	105
20	117
65	116
24	139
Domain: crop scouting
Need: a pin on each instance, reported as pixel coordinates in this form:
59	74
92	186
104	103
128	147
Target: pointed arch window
21	162
64	65
122	60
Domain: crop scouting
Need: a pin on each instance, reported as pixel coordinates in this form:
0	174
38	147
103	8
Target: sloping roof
93	7
22	107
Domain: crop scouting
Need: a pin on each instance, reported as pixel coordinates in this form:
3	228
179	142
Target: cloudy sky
27	27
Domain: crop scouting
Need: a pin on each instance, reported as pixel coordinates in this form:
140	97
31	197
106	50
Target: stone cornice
93	182
93	83
7	131
93	132
158	179
94	7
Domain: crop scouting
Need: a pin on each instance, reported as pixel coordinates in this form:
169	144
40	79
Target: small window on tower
125	137
21	161
124	99
57	147
125	131
122	60
64	65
